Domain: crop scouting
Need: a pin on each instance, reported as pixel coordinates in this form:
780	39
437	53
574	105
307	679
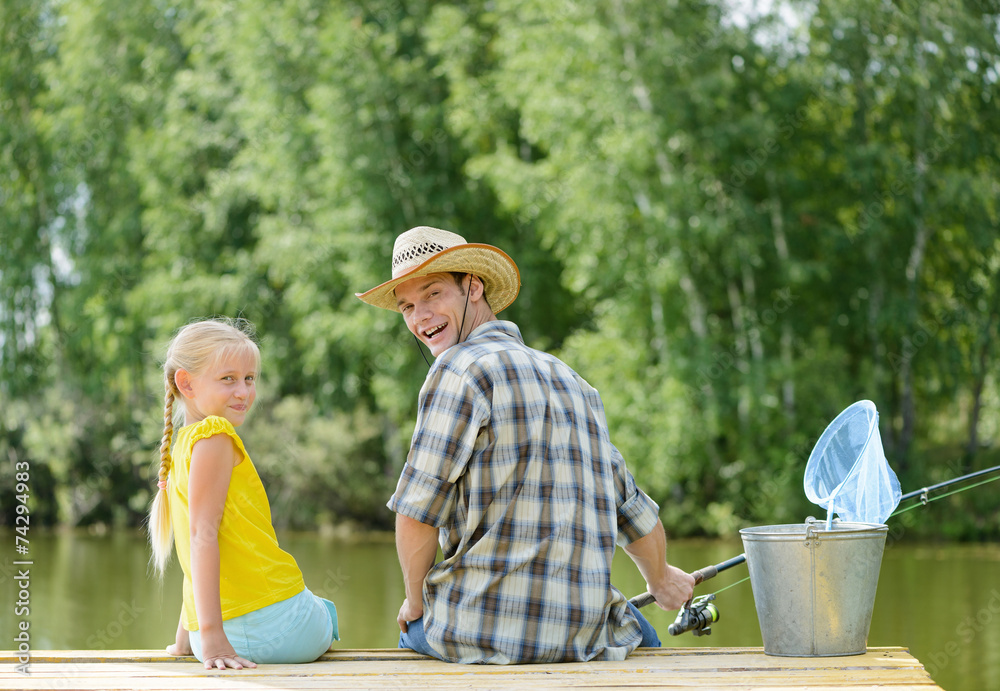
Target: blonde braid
160	533
168	429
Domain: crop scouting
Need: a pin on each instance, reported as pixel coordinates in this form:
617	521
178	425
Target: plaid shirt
512	460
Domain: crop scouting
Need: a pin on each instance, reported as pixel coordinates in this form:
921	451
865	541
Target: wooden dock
648	668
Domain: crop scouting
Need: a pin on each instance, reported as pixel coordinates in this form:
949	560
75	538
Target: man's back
511	458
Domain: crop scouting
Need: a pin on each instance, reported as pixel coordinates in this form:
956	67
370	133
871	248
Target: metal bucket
814	589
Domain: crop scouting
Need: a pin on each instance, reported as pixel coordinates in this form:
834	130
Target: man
512	466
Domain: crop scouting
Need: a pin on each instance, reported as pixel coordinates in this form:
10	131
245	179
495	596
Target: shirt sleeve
638	515
453	407
213	425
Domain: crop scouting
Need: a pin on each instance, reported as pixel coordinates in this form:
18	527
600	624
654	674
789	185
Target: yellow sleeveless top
254	571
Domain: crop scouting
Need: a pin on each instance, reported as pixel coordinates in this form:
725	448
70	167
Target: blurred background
733	218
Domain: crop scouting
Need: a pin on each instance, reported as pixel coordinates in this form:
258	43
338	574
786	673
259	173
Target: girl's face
227	388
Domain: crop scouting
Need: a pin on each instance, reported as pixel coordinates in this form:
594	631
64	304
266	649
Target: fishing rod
698	614
925	491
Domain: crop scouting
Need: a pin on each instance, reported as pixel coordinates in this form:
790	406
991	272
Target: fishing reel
696	615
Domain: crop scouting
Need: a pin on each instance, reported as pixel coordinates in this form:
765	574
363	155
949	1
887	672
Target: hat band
412	256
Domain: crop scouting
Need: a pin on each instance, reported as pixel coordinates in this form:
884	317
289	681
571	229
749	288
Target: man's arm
669	585
416	545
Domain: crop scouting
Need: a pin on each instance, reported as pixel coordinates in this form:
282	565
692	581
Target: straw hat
424	250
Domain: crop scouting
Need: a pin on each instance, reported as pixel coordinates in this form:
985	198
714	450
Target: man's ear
476	287
182	379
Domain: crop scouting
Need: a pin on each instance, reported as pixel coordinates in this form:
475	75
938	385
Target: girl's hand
219	653
182	641
179	650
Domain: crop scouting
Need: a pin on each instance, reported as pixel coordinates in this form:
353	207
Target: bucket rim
815	528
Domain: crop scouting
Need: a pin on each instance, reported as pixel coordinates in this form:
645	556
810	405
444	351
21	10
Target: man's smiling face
433	307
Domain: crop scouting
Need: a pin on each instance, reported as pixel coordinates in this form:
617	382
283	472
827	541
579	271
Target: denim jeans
415	640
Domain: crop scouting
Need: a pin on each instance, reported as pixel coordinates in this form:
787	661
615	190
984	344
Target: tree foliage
734	224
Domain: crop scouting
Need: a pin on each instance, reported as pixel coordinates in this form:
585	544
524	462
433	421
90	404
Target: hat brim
501	279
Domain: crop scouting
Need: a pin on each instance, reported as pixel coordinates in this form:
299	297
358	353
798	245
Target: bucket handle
811	538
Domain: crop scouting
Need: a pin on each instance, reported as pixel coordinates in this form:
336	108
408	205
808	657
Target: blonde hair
195	348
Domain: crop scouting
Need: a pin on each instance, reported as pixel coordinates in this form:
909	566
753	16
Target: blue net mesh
848	473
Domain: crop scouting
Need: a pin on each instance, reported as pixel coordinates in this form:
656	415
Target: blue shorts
298	629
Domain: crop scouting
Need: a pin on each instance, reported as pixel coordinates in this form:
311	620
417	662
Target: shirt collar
496	329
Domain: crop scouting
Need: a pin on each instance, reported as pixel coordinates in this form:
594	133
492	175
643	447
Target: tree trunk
781	248
980	380
920	237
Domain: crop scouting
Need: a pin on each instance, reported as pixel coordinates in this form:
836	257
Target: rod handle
640	601
701	575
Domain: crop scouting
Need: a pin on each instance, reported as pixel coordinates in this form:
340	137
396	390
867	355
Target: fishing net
847	472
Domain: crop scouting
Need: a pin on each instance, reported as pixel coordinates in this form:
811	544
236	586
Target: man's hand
669	585
672	591
408	613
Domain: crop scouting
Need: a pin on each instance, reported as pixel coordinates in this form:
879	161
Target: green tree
732	225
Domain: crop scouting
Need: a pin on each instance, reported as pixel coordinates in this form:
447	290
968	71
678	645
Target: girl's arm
212	462
182	642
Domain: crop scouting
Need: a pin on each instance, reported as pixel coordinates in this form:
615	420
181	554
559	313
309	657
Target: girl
245	600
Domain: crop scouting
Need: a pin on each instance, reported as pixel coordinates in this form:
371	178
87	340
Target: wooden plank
776	677
10	657
390	683
380	654
681	668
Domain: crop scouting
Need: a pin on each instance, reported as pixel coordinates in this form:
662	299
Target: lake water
941	601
